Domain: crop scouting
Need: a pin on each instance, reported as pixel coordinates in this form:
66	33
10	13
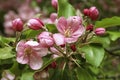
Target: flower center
28	51
67	33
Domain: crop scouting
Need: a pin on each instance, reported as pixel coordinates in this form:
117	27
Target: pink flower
35	24
45	39
100	31
70	28
30	53
93	13
17	24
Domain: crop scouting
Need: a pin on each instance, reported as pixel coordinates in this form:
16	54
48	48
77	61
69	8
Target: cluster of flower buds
93	13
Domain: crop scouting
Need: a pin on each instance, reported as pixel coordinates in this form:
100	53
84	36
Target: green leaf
114	35
65	9
27	76
6	53
108	22
83	74
51	28
104	40
4	41
30	33
94	54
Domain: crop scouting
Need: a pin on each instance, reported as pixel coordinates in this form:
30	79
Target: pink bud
54	3
100	31
45	39
17	24
89	27
86	12
53	17
73	47
93	13
35	24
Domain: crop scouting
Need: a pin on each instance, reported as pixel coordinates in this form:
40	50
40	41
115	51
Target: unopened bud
73	47
93	13
86	12
53	65
89	27
100	31
35	24
54	3
17	24
45	39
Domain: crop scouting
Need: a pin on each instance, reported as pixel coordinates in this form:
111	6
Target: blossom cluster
71	30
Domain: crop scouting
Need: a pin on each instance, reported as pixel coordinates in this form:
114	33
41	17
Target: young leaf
94	54
108	22
30	33
65	9
27	76
51	28
6	53
104	40
114	35
82	74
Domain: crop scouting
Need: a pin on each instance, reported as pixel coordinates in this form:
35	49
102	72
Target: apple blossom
45	39
70	28
30	53
17	24
35	24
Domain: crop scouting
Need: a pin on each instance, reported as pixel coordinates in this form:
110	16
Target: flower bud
53	17
54	3
45	39
17	24
53	65
86	12
93	13
35	24
89	27
100	31
73	47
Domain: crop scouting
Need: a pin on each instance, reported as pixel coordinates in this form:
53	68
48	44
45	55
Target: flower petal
78	32
22	58
35	61
71	40
59	39
62	25
42	51
20	46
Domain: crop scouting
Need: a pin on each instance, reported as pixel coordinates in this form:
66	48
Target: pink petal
62	25
59	39
74	22
35	61
21	58
78	32
71	40
20	46
41	51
